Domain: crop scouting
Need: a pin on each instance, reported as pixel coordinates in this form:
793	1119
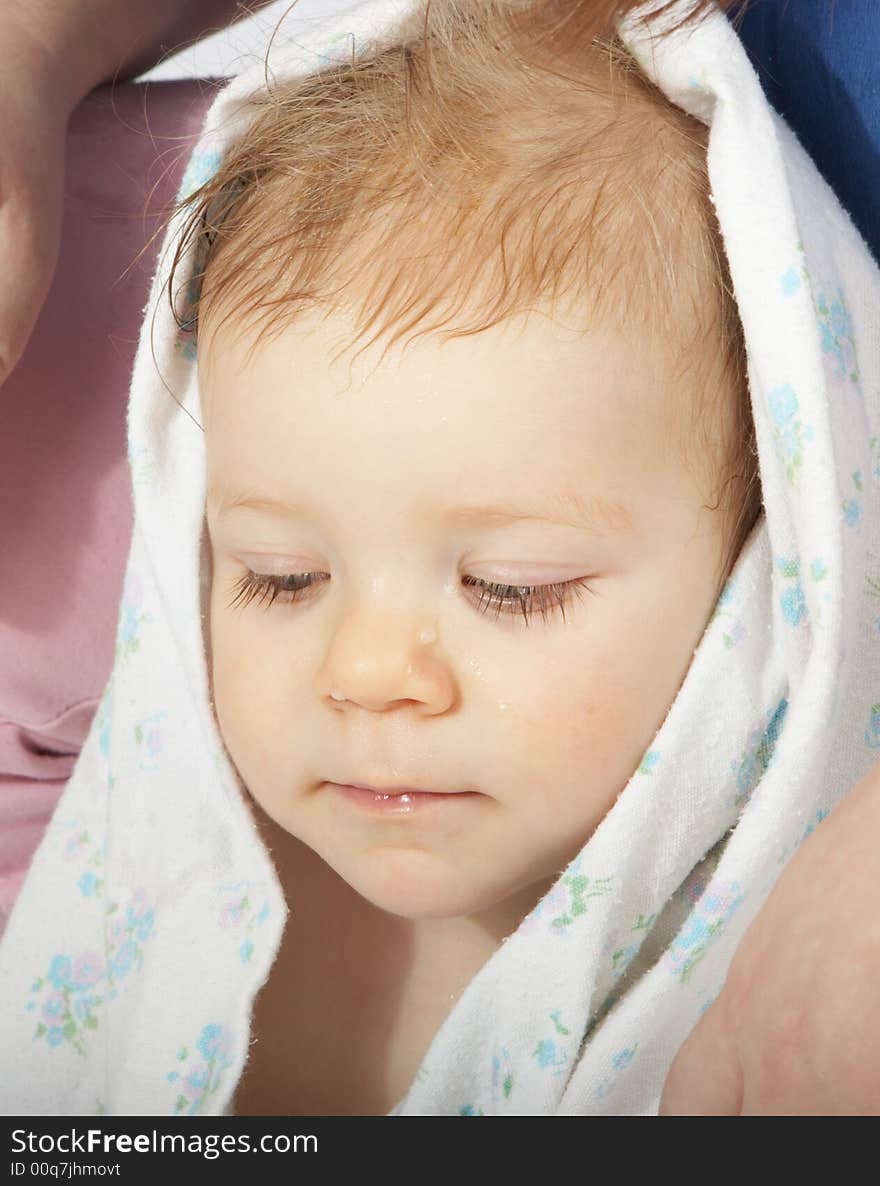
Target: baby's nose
381	660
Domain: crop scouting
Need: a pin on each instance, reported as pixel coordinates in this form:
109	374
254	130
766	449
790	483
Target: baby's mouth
399	800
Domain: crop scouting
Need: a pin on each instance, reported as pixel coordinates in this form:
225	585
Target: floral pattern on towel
199	1073
836	330
70	996
792	434
240	916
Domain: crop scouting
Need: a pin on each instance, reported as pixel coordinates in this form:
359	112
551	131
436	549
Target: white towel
151	914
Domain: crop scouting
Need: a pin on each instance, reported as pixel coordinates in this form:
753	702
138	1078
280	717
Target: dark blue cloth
819	64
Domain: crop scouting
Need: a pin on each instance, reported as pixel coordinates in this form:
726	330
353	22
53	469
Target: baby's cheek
583	733
559	723
238	698
259	706
589	730
230	705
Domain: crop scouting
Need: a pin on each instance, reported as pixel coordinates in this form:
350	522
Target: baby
472	687
476	420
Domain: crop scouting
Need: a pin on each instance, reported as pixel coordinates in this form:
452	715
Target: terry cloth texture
151	914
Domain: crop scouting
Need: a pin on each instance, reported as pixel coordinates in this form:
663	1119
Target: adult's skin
54	53
793	1029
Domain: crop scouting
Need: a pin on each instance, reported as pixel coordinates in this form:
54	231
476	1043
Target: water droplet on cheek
503	705
429	634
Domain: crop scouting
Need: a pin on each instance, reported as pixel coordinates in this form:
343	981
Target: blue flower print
726	595
549	1054
59	971
124	959
239	915
791	433
758	754
197	1080
817	819
698	82
187	347
54	1006
792	601
80	848
708	919
148	736
128	637
872	733
649	761
502	1075
623	956
836	332
796	276
852	512
201	167
783	404
103	724
197	1084
67	1011
852	507
88	883
872	590
622	1059
87	970
143	926
209	1040
793	605
790	281
619	1062
74	990
736	631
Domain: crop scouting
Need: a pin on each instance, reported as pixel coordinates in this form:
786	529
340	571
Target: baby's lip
400	802
395	791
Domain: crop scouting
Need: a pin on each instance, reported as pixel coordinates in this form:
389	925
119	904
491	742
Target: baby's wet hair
500	156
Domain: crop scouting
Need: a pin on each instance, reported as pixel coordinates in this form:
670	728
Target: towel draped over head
152	913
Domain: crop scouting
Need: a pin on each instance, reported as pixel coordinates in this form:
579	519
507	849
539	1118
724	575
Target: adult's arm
83	44
54	53
794	1031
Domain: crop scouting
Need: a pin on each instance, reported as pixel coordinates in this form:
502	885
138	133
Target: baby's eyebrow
566	507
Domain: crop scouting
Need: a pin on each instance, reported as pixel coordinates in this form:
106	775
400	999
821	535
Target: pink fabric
65	499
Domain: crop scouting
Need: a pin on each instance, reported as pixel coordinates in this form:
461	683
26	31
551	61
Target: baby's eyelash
505	598
526	598
267	587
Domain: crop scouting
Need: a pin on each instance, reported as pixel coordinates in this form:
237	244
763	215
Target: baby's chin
406	879
418	885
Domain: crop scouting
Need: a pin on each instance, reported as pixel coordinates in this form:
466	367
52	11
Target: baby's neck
355	996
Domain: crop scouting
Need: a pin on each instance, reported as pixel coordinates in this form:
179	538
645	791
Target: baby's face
425	497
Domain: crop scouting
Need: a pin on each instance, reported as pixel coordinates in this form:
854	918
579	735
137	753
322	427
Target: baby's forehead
558	348
528	401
